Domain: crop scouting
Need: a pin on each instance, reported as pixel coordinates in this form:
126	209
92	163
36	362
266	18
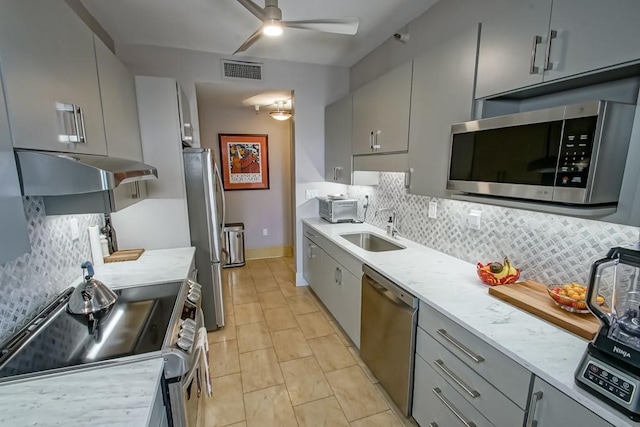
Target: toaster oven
338	210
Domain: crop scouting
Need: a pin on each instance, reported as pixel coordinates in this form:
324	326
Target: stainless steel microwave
574	154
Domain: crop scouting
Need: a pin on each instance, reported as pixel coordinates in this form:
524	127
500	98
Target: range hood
81	183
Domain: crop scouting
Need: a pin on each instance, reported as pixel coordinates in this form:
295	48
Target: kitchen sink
371	242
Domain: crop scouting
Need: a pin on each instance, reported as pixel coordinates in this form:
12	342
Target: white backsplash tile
547	248
29	282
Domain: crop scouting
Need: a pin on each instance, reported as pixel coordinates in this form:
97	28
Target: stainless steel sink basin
371	242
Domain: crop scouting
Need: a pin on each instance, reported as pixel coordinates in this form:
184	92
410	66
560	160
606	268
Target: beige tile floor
281	360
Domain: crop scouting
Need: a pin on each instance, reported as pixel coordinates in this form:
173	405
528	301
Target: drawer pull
452	408
535	398
433	424
476	358
310	234
473	393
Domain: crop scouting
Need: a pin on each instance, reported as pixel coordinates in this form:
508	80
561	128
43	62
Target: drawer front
477	391
510	378
437	404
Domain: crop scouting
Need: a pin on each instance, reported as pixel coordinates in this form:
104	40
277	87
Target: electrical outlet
473	220
311	194
75	230
433	210
265	231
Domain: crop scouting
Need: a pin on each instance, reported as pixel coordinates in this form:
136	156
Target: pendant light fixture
280	113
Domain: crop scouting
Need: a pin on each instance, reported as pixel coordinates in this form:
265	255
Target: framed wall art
245	164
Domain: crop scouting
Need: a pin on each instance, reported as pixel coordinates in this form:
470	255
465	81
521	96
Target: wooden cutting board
533	298
125	255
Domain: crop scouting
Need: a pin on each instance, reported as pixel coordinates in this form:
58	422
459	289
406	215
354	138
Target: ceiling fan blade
347	26
250	41
257	11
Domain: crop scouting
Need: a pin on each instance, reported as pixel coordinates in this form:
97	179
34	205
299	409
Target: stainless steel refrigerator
206	205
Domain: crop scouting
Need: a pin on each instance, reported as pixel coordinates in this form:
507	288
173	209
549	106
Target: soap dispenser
390	226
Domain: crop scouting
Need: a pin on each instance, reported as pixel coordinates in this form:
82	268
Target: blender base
611	381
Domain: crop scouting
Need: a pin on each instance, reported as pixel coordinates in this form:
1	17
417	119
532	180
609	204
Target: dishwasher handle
388	289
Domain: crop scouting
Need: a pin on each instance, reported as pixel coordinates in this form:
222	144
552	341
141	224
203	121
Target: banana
511	270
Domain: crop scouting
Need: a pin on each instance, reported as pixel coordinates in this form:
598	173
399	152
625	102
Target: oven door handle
198	355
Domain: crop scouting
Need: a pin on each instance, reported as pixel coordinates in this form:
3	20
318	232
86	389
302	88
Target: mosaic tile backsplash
547	248
29	282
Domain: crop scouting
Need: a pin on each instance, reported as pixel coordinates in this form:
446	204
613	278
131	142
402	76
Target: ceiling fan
271	16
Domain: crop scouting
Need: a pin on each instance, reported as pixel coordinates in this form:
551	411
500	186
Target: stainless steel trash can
234	244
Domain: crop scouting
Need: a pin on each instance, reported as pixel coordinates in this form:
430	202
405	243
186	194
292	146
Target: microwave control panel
575	152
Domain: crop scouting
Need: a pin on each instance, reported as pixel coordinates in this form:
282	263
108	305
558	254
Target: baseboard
268	252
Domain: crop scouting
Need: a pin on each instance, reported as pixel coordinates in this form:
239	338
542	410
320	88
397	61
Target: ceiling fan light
272	28
280	115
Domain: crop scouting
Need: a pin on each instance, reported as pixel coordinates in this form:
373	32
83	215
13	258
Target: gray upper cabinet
442	94
119	105
592	34
549	407
534	41
48	67
381	113
13	224
512	48
337	141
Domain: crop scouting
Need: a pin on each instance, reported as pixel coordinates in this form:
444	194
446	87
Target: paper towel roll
96	248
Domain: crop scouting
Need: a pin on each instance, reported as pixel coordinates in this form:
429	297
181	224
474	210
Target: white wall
257	209
314	87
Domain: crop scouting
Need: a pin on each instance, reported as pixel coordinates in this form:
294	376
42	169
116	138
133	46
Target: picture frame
244	161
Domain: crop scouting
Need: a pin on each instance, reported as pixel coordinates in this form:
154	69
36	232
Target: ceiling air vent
241	70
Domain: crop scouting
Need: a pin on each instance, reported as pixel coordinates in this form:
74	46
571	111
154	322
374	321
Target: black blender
610	367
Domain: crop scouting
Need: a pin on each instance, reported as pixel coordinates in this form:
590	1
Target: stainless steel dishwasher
388	335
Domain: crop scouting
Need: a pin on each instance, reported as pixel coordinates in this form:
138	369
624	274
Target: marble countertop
154	266
451	286
121	395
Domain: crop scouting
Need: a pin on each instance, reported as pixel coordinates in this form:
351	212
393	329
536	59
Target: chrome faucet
392	230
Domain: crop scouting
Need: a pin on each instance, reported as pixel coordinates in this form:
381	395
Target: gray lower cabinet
13	224
337	141
437	404
381	113
549	407
50	77
540	41
337	284
442	94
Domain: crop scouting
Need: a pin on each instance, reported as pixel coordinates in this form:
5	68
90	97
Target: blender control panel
611	383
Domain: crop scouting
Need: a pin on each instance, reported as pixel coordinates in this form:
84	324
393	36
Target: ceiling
240	96
221	26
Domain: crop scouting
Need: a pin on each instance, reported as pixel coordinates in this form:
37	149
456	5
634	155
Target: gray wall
258	209
315	86
441	22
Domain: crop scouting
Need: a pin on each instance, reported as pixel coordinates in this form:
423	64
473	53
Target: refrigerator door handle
224	202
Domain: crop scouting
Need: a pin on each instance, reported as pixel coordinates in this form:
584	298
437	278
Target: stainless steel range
146	321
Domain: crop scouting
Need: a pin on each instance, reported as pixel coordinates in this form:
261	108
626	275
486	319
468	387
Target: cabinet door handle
535	398
338	276
473	393
547	56
407	178
82	138
452	408
371	140
376	144
536	41
471	355
433	424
